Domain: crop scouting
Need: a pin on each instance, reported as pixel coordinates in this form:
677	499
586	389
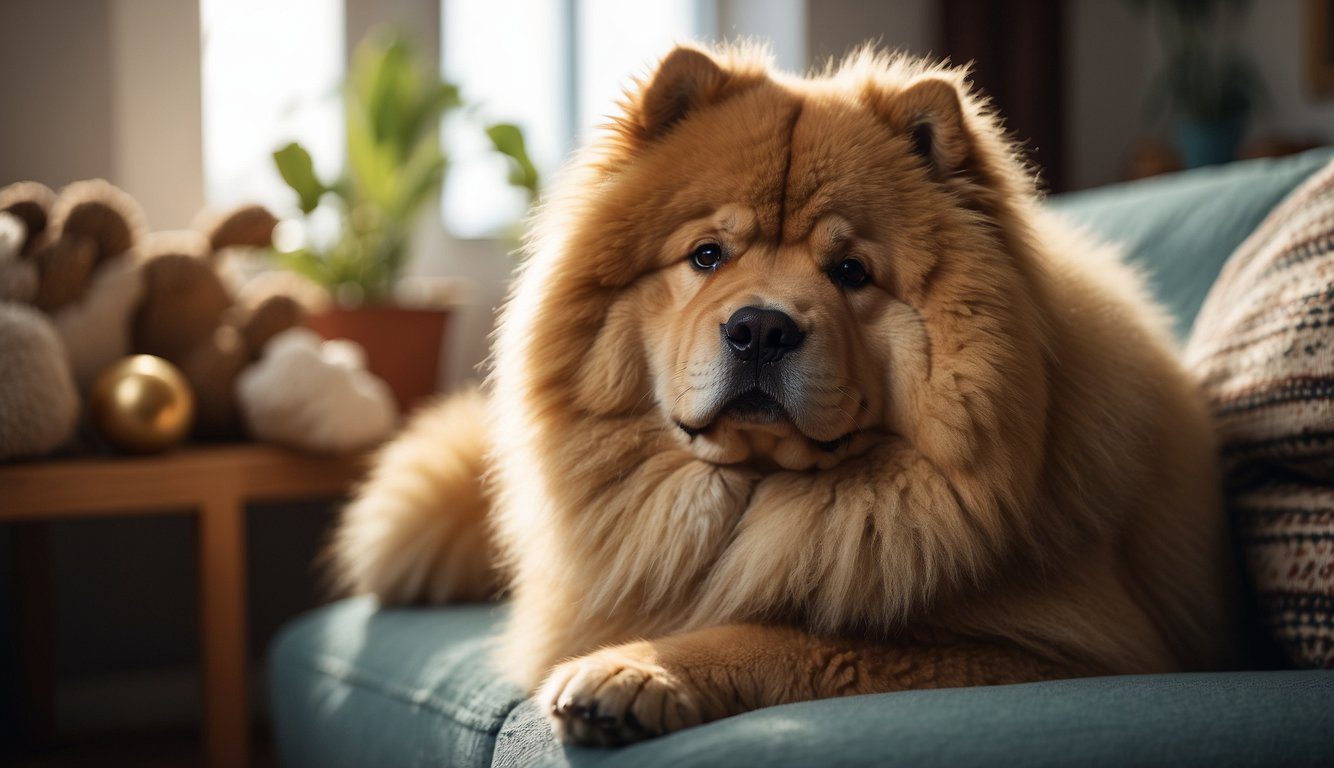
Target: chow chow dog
802	393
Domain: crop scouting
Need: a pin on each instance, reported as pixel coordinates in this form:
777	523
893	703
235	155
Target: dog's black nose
764	334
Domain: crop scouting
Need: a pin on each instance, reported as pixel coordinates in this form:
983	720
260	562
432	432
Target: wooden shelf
213	482
169	482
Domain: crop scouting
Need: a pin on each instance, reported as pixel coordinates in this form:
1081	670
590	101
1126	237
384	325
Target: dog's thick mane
612	531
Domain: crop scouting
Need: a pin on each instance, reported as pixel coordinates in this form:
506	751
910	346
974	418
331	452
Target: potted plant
1207	84
393	101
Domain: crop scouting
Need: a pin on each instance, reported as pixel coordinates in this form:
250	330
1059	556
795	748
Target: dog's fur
990	465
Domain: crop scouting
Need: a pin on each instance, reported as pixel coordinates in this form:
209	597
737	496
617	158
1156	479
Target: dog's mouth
754	406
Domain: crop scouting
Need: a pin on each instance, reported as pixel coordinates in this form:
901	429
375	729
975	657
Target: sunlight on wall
271	73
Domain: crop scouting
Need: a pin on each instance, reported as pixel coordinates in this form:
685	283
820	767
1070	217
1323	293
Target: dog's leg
416	530
639	690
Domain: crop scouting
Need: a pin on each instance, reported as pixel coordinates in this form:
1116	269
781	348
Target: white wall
782	23
1109	59
55	101
109	89
836	26
157	146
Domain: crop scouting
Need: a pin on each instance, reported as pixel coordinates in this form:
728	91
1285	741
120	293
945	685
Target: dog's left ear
929	113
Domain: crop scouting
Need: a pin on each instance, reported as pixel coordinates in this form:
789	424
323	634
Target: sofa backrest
1182	228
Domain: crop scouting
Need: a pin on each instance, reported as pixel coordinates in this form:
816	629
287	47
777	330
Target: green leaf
298	170
395	91
371	164
393	101
423	117
418	180
304	263
507	138
392	95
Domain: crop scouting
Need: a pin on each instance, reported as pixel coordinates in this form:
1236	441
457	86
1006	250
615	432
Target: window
271	74
619	39
509	59
554	67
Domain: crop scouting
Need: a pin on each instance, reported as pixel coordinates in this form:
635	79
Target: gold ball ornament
141	404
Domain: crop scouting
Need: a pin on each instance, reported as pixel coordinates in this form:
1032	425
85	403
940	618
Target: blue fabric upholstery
1219	720
1181	228
353	687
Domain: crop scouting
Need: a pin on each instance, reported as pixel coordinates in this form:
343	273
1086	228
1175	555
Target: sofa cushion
1264	352
1181	228
1219	720
352	686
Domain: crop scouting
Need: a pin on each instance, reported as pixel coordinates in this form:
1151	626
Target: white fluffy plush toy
315	395
18	277
39	405
96	329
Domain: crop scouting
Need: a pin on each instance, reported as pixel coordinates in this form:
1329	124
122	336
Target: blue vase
1209	142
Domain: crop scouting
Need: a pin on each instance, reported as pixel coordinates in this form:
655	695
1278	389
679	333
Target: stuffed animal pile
83	284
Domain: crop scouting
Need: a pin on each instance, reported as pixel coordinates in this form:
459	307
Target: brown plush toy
111	289
59	248
79	248
189	317
90	224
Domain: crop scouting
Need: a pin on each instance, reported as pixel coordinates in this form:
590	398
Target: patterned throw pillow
1263	348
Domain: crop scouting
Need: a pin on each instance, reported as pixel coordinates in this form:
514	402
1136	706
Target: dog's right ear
686	80
929	113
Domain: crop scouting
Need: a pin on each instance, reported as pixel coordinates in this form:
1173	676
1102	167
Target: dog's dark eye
849	272
707	256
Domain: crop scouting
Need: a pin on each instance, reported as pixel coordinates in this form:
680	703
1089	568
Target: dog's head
755	263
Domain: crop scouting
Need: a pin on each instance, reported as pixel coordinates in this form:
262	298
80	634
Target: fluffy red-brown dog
801	393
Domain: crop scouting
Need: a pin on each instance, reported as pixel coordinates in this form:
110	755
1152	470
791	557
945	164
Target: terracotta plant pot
403	346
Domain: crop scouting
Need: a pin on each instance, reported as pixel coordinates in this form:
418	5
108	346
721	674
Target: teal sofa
351	685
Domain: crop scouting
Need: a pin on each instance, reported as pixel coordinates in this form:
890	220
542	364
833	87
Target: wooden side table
215	483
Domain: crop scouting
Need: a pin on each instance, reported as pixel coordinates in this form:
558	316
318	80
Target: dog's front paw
616	696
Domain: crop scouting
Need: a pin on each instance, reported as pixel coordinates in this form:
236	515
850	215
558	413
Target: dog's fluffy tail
417	529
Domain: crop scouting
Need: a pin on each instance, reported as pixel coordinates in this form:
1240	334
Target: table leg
222	629
32	576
